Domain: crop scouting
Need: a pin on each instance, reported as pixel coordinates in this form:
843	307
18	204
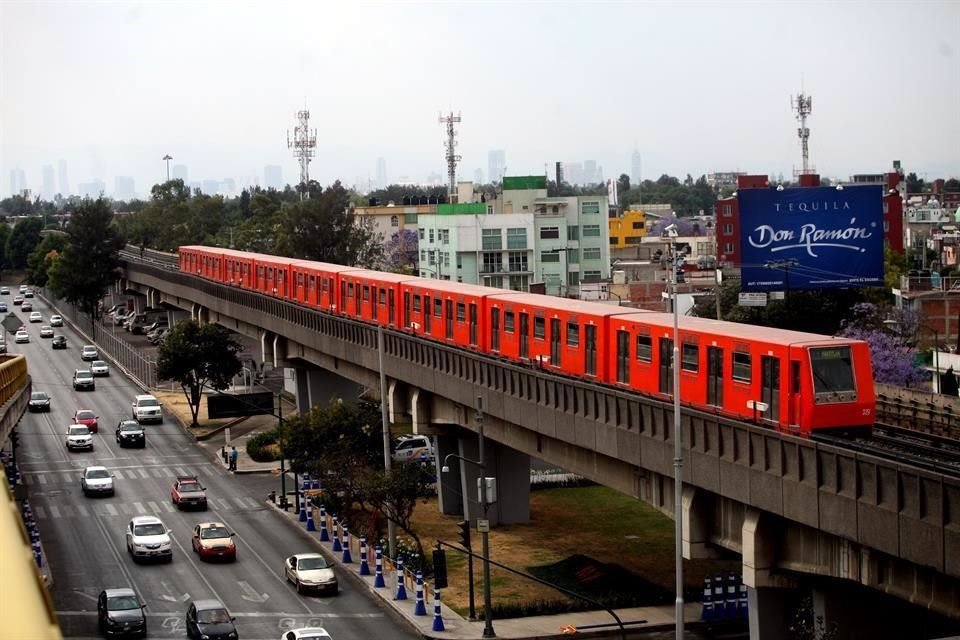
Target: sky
695	87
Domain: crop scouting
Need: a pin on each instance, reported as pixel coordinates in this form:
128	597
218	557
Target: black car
39	401
120	614
210	620
59	342
131	434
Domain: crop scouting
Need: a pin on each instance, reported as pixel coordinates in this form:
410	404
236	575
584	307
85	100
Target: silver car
97	481
310	572
99	368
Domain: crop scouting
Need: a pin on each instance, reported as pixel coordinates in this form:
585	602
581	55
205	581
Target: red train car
205	262
446	311
373	296
272	275
792	381
315	283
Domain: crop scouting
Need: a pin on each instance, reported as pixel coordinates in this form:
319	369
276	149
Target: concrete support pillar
317	387
266	348
697	520
759	550
279	351
769	613
396	408
420	411
197	312
511	468
449	488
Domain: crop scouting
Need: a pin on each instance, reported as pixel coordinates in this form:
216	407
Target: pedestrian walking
233	458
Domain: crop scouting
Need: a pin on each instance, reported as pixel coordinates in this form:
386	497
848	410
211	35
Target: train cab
205	262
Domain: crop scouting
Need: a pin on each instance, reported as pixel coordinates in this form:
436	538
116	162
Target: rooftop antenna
303	144
803	105
452	157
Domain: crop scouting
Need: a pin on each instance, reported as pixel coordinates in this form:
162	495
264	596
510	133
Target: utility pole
303	143
452	157
385	421
167	158
485	529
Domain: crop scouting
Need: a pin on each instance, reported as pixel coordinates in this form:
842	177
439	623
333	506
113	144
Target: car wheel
299	587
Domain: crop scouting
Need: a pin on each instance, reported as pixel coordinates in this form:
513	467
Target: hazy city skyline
693	87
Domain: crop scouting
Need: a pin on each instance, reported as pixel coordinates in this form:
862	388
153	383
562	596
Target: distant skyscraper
123	188
273	176
91	189
179	172
382	173
211	187
590	172
228	186
478	176
63	185
49	188
636	168
496	165
573	173
18	182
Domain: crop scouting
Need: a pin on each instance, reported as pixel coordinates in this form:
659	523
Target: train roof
323	266
735	330
569	305
378	275
462	288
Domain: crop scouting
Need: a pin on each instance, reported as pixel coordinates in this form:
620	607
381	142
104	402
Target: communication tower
303	143
803	105
452	157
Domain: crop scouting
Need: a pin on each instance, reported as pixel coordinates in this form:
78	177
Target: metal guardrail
926	417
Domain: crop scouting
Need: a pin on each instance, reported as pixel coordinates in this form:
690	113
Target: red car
188	492
88	418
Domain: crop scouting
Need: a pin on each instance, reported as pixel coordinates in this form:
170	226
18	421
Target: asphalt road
84	537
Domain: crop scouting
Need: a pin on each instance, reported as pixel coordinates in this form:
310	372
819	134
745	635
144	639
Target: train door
356	300
406	307
343	296
623	357
449	319
793	408
427	313
715	376
373	302
524	335
555	337
390	306
770	386
495	329
473	324
666	365
590	364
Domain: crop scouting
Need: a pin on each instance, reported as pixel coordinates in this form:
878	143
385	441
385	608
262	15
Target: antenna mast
452	157
803	105
303	144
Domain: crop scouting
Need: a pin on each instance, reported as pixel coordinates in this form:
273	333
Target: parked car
146	408
39	401
3	307
89	352
99	368
46	331
210	620
83	379
21	336
59	342
148	538
119	318
131	434
212	541
78	437
120	613
56	321
96	481
158	336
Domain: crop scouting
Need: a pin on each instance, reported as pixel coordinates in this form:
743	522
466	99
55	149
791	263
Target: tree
914	183
623	183
198	356
400	252
44	256
23	240
892	356
951	185
4	239
87	268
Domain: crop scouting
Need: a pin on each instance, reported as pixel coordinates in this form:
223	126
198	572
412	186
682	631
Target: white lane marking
125	509
139	507
242	614
169	507
54	512
112	510
222	502
67	475
82	509
167	472
118	474
144	474
156	508
250	594
244	506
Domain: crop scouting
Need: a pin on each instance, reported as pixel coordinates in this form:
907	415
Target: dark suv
131	434
83	379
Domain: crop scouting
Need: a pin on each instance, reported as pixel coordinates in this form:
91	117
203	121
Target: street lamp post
385	420
168	158
483	526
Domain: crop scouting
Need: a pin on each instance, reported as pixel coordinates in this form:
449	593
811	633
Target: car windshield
83	374
148	402
122	603
213	616
78	430
38	395
306	564
99	363
130	426
97	474
85	415
188	487
152	529
214	532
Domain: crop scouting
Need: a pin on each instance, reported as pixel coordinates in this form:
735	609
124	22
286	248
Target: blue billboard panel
811	238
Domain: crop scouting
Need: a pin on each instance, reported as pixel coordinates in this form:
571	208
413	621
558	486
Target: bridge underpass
790	507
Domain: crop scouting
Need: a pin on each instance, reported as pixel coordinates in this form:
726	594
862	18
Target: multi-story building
18	182
388	219
382	173
724	179
123	188
496	165
62	182
49	189
273	176
179	172
92	189
627	230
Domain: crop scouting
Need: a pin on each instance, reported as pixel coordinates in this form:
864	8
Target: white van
413	449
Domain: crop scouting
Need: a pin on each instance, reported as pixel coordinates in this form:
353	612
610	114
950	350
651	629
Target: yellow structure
628	229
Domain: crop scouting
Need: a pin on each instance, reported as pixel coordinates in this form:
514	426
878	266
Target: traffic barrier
336	535
311	526
419	609
437	618
718	596
730	608
707	612
346	558
324	536
743	602
302	511
378	582
401	587
364	567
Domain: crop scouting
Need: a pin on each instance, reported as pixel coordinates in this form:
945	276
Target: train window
461	312
300	279
366	293
832	369
691	358
644	348
416	303
573	334
437	308
623	356
325	284
539	327
508	322
741	366
383	296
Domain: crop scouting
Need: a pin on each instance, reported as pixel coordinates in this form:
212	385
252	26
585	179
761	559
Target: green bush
262	447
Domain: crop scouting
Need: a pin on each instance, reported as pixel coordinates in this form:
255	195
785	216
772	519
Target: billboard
811	238
223	405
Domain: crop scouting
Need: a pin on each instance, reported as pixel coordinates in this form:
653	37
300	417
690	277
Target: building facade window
431	236
518	261
445	236
591	231
573	278
573	232
727	229
591	276
573	256
394	221
634	240
517	238
550	256
518	283
728	247
420	232
409	218
492	240
590	207
550	233
492	262
591	253
727	210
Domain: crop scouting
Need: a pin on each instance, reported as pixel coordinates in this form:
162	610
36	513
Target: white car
146	408
36	316
78	437
96	481
309	572
23	288
307	633
148	537
56	321
99	368
22	336
46	331
89	352
413	449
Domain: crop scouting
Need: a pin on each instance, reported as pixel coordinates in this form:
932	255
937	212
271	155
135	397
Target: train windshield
832	369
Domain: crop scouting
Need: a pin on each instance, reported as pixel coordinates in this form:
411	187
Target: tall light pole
672	233
482	525
167	158
385	420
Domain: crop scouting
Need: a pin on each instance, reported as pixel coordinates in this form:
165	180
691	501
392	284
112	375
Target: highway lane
84	537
